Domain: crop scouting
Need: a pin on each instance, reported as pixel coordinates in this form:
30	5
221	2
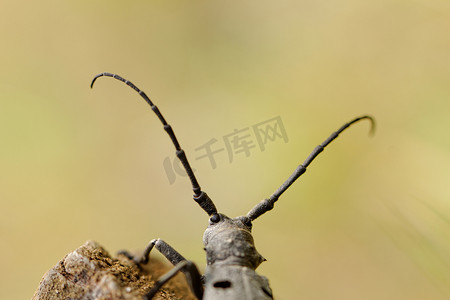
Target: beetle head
230	241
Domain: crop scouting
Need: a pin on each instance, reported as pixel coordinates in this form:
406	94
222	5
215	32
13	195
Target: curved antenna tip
372	125
95	78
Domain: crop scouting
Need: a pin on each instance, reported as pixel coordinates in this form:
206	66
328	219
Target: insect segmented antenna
267	204
199	196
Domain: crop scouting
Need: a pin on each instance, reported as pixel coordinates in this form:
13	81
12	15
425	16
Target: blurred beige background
369	220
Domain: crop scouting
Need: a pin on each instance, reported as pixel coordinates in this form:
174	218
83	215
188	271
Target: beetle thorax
230	242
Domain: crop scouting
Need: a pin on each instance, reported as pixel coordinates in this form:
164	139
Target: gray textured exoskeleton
230	250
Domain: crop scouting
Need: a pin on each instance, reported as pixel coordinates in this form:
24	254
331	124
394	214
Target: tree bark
90	272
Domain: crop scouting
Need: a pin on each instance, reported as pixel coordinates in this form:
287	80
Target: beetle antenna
268	203
199	196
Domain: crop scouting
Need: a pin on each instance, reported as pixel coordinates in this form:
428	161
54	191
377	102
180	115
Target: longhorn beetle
230	250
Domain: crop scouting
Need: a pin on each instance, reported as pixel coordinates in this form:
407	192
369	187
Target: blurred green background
369	220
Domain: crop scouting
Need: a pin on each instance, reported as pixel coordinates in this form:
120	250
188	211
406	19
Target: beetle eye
214	218
248	223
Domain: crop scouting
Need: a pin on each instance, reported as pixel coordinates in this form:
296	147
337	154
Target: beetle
230	249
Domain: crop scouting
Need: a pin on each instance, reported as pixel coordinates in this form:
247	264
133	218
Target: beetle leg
193	278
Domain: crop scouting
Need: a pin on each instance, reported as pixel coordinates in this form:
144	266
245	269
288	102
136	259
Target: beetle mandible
230	250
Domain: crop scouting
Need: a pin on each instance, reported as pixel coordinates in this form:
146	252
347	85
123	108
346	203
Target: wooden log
90	272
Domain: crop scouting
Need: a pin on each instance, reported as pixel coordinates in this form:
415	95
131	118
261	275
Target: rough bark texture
90	272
